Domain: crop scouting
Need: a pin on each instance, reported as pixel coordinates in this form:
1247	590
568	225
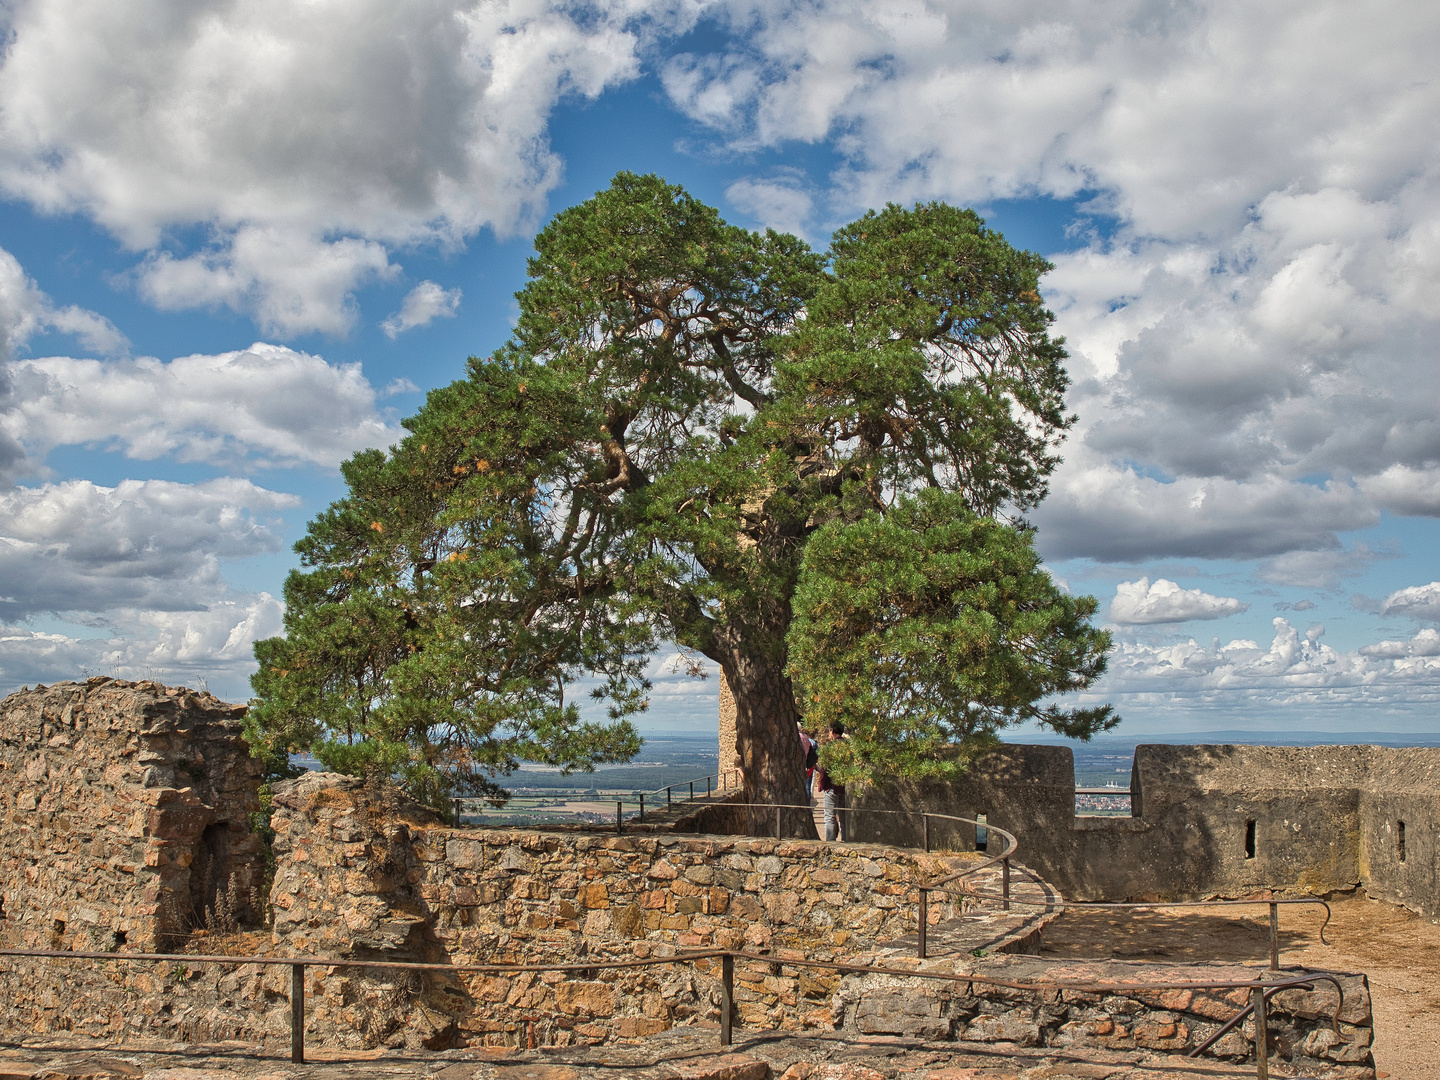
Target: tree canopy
704	434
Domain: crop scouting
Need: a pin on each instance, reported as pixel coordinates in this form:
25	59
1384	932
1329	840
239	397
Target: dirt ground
1399	951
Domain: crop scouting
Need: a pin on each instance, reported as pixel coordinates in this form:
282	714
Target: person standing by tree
810	748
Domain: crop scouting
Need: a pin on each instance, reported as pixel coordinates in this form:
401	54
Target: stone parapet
1221	820
365	875
1093	1022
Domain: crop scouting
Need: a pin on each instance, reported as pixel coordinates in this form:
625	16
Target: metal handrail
1262	989
724	785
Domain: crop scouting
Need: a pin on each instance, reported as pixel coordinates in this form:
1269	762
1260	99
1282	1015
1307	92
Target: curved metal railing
1261	990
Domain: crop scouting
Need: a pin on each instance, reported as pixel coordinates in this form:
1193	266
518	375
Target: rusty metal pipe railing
1266	988
1260	996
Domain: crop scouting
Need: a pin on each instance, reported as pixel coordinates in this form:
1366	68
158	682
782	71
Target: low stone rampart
361	875
1318	1031
1206	821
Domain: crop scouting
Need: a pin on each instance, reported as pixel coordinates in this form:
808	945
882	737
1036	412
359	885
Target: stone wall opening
208	872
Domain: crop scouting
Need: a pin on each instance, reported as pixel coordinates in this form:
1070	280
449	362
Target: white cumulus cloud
83	550
211	647
267	403
1295	670
423	304
308	139
289	281
1253	341
782	202
1140	602
25	311
1416	602
1113	512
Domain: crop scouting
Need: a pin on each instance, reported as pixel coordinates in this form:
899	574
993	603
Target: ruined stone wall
362	877
124	808
1174	1021
1206	821
367	876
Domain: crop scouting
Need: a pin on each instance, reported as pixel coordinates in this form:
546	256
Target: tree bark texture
767	740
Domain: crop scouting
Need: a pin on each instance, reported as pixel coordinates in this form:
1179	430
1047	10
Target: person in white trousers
832	795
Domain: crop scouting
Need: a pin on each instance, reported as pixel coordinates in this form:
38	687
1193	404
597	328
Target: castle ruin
125	811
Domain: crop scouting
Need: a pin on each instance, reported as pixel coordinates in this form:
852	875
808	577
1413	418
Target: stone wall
124	809
1174	1021
1206	821
367	876
1401	801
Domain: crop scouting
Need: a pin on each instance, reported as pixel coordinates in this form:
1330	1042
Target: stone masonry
366	876
1206	821
124	809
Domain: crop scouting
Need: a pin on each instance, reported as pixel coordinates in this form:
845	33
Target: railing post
667	798
619	826
1262	1035
777	823
707	787
1274	936
457	813
1005	882
727	996
927	831
924	918
692	790
297	1013
642	807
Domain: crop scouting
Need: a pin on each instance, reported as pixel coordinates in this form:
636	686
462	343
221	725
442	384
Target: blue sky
241	241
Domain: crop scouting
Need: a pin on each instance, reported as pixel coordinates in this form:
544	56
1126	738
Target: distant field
547	795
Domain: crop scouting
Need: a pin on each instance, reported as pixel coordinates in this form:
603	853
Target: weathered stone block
585	998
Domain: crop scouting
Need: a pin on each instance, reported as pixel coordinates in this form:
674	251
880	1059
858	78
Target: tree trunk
767	740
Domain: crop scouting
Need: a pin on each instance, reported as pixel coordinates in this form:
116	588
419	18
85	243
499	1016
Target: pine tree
684	408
